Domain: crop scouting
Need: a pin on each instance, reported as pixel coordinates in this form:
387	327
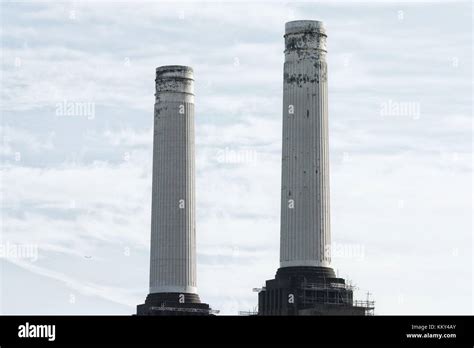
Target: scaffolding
248	313
333	294
188	310
368	305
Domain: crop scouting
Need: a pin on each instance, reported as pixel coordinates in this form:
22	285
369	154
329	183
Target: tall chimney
305	284
173	215
305	223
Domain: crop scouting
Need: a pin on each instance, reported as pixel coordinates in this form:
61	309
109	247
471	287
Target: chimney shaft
305	217
173	240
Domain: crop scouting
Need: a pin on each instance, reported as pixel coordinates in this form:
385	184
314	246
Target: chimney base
309	291
173	304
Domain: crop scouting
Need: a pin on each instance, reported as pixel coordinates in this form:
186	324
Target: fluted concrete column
173	239
305	222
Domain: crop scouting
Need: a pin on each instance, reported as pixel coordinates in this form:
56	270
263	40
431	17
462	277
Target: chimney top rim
299	26
182	68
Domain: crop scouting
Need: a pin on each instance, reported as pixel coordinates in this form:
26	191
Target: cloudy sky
76	186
